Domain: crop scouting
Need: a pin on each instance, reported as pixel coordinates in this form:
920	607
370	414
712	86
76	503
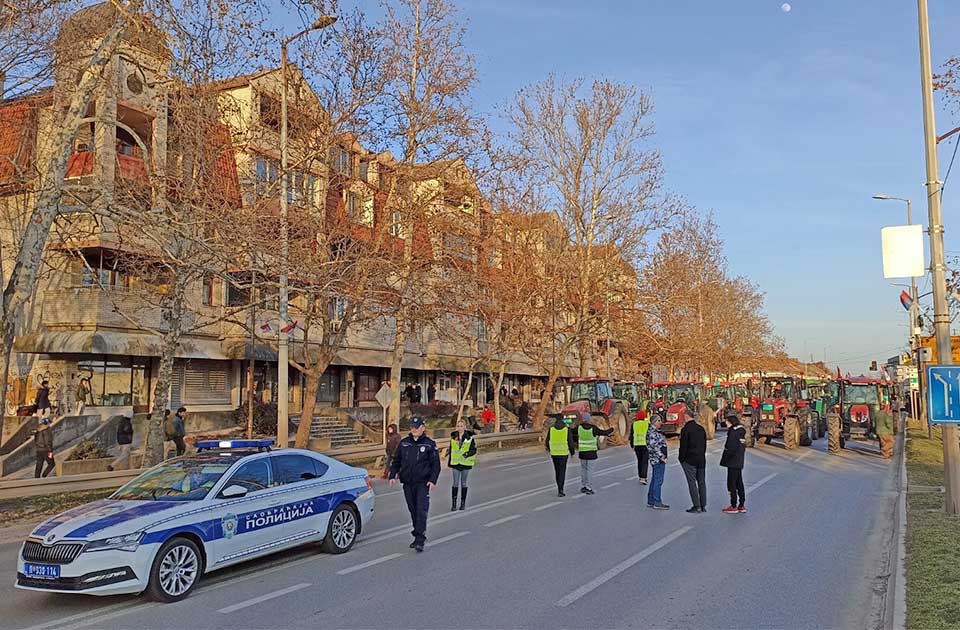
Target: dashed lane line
501	521
265	597
547	506
608	575
371	563
610	485
440	541
757	484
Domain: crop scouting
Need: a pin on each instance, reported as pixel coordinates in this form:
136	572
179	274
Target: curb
899	573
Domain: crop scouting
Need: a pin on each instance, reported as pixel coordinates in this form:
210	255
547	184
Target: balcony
92	307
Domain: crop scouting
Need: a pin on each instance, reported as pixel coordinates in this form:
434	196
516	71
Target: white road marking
760	483
440	541
602	579
610	485
546	506
807	454
99	618
89	613
264	598
371	563
578	496
503	520
517	465
399	530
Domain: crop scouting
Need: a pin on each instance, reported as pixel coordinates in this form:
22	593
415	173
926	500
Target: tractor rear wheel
791	432
618	422
833	434
746	419
803	430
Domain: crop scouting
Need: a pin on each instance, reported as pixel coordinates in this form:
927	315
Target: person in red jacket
488	418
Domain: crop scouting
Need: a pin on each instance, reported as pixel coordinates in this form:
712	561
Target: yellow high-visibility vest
588	441
559	446
640	432
458	453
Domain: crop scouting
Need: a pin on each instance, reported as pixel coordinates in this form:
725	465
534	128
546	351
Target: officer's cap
416	422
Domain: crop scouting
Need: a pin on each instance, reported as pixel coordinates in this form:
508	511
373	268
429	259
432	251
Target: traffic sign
943	394
386	395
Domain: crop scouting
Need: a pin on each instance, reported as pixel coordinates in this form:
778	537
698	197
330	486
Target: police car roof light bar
205	445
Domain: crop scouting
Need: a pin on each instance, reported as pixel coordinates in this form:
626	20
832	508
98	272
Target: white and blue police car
230	502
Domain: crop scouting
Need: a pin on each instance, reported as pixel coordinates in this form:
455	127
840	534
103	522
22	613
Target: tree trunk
460	404
251	390
396	364
172	317
8	335
496	396
310	386
541	410
22	283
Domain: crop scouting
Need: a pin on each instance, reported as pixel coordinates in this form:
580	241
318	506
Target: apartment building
85	323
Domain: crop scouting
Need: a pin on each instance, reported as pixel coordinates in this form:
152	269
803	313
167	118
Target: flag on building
906	300
290	327
265	327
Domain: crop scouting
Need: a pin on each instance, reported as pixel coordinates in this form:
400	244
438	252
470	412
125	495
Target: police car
229	502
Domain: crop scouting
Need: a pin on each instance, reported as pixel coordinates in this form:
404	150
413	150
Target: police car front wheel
175	570
342	530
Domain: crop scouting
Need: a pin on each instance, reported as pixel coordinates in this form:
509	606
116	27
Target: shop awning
118	343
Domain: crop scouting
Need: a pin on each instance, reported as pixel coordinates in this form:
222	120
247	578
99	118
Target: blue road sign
943	394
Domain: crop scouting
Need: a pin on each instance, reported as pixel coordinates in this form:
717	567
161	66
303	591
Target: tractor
726	395
631	393
784	412
595	395
859	403
665	399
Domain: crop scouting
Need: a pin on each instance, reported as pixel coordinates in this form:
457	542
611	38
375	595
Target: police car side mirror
233	492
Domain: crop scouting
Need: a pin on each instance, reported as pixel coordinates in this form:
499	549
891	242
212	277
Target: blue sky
782	124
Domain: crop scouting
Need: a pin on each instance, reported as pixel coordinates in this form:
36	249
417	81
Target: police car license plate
42	571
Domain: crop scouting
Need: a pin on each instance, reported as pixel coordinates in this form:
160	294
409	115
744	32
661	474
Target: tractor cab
631	393
779	397
860	401
595	396
677	403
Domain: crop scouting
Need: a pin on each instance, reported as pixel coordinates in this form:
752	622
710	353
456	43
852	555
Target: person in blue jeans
657	449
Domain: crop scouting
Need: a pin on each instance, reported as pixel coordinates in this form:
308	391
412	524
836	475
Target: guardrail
14	488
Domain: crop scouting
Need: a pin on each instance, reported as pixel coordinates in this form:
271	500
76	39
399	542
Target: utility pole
941	312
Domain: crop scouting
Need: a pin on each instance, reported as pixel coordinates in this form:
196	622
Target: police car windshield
186	479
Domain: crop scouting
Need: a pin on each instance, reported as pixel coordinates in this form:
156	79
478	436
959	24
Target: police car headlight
130	542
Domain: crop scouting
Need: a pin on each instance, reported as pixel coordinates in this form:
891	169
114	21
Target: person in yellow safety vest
638	438
463	457
588	444
561	444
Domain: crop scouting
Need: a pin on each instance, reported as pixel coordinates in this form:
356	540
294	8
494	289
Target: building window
208	298
117	381
238	296
365	171
368	384
329	389
341	161
396	224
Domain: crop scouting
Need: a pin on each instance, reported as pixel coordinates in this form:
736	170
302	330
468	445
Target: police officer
588	445
417	463
561	444
638	438
463	457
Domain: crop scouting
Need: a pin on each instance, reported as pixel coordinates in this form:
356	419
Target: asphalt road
808	554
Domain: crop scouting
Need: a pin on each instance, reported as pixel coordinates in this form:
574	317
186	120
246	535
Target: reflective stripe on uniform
558	441
588	441
458	453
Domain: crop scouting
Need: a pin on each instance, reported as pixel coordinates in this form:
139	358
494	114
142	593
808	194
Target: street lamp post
941	313
283	349
914	297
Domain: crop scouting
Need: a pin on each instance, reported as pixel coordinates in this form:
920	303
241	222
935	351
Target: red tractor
594	395
784	412
679	402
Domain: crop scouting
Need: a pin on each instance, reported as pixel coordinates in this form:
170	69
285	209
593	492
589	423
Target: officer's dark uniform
417	463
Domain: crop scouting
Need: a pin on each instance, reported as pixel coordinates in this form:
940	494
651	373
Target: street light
283	350
915	300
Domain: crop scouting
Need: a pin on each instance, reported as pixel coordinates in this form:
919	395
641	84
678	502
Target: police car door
246	521
302	508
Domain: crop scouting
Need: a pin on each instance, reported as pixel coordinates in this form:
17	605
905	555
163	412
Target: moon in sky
785	7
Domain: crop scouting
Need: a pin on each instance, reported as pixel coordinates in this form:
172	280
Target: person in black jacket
693	459
732	459
43	446
42	401
417	464
124	440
